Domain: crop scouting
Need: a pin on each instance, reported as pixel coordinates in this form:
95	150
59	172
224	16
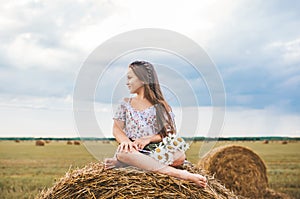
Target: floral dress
138	123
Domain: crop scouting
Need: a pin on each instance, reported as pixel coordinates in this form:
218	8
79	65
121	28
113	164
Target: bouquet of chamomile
165	150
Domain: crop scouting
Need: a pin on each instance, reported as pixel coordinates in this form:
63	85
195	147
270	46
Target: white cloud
288	52
260	122
36	117
32	103
25	52
48	35
27	122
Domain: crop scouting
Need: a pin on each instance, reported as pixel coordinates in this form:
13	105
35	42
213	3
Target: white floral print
138	123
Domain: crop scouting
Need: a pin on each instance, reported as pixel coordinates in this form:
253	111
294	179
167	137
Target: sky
254	44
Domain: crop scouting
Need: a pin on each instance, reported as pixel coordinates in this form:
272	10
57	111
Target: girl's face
133	82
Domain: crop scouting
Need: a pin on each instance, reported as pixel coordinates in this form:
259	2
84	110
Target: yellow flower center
175	143
157	150
159	157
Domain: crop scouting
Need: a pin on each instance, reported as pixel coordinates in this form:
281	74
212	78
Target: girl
142	121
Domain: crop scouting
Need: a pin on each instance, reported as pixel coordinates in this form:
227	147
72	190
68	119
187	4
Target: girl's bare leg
110	163
147	163
179	158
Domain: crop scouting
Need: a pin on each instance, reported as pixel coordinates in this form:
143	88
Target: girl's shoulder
125	101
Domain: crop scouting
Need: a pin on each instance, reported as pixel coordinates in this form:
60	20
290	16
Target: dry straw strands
94	182
240	169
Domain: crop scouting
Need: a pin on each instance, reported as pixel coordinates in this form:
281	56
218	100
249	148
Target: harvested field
27	169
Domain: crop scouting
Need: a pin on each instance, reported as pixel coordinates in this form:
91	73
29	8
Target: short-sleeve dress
138	123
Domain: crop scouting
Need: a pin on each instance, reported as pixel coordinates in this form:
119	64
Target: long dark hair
146	73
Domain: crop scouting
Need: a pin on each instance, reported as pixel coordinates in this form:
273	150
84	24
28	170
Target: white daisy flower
169	158
170	148
174	144
164	153
159	157
165	140
172	136
179	139
184	146
160	150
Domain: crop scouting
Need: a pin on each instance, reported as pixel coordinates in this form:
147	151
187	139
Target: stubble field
26	169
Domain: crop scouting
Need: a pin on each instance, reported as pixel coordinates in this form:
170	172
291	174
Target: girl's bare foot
110	163
199	180
196	178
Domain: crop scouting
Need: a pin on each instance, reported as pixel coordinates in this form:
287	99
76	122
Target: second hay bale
39	143
76	143
239	168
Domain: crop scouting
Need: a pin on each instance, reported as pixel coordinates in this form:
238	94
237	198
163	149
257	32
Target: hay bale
239	168
47	141
93	181
39	143
76	143
17	141
69	142
284	142
266	142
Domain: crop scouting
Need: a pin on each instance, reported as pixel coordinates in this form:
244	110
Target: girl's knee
121	156
124	156
179	158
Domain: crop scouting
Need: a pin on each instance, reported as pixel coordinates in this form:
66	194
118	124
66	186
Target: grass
26	169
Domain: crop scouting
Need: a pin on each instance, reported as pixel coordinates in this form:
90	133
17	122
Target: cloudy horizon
255	46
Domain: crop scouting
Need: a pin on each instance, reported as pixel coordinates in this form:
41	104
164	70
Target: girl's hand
127	147
142	142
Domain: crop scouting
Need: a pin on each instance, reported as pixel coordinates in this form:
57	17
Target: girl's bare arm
125	143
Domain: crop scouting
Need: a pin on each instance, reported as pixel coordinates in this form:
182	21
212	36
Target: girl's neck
140	97
141	94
